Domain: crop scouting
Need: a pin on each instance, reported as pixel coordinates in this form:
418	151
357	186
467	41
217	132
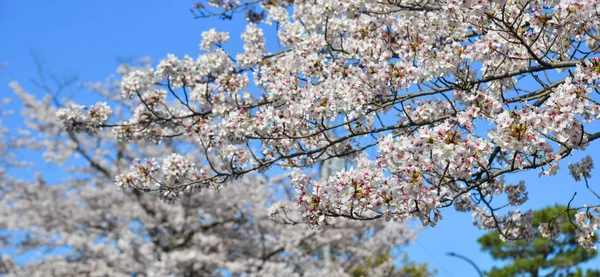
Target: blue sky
87	38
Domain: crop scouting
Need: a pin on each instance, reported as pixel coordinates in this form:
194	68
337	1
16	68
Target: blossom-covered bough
83	226
433	102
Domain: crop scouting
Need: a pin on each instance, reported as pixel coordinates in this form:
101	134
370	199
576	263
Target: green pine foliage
541	257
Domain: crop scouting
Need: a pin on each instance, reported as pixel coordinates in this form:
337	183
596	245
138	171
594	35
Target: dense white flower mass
446	97
247	228
211	38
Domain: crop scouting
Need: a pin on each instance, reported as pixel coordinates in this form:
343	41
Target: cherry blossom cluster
517	225
211	38
254	46
550	230
582	168
516	193
96	115
446	97
176	170
588	223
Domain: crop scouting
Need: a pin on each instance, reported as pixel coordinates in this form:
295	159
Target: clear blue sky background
87	37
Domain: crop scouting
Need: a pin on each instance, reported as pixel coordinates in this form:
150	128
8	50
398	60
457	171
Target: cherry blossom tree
86	226
432	102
